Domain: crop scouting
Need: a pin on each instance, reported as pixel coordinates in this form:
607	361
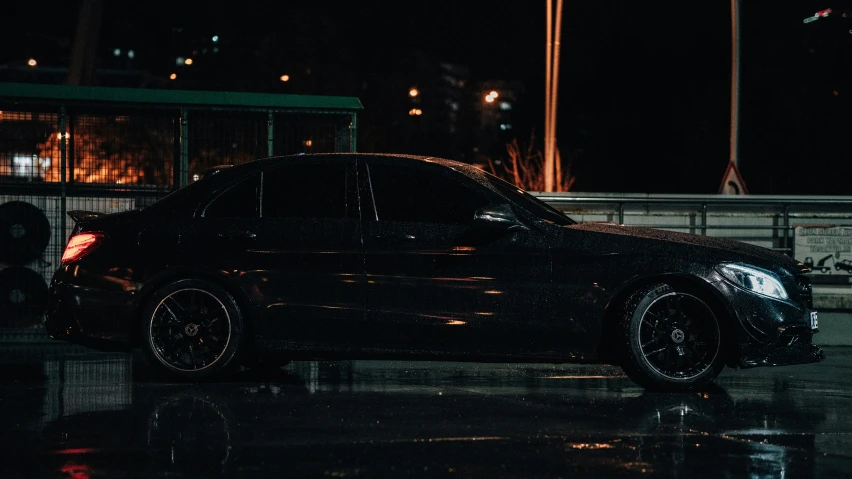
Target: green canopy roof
90	94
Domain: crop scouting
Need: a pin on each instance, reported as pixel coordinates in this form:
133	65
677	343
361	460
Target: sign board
732	181
825	249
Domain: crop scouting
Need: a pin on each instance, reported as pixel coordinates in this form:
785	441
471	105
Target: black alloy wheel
673	339
193	329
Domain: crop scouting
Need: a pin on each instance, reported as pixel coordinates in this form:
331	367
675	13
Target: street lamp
32	62
413	92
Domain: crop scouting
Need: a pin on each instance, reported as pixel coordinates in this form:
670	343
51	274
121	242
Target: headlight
753	279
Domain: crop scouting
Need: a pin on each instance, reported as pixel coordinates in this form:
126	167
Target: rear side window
403	193
306	190
239	201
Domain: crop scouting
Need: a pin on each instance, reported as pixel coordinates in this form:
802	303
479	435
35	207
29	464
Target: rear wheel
193	329
672	339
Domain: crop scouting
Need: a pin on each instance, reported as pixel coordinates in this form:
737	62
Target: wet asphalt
69	412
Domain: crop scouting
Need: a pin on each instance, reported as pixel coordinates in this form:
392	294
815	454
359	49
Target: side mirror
498	218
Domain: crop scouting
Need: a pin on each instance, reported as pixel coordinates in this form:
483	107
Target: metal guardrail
781	211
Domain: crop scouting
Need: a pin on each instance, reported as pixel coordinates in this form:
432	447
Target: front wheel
192	329
672	340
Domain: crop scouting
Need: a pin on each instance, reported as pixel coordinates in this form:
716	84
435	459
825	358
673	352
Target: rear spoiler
81	216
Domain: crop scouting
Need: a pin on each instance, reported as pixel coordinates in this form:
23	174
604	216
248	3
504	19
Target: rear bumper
91	310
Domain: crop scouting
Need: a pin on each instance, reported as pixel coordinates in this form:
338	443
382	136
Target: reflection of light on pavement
313	377
81	386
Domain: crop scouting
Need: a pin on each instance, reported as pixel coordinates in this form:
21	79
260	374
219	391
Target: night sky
644	90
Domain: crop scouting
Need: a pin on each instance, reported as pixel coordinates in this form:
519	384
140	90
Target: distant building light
131	54
285	78
216	50
117	52
418	112
32	62
504	126
505	105
454	105
489	99
179	60
215	38
413	92
196	177
173	76
493	94
188	61
308	143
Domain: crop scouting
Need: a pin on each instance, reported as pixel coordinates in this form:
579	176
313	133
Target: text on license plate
814	320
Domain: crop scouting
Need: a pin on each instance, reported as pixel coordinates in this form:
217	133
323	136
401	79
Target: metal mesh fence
225	138
135	149
56	158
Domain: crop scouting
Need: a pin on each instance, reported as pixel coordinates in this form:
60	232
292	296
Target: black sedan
364	255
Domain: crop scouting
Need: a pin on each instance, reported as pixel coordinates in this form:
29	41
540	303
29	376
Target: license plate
814	320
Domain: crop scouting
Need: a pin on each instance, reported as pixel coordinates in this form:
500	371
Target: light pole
551	92
735	80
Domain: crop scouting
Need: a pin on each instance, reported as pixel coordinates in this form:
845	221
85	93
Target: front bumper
794	347
89	309
773	332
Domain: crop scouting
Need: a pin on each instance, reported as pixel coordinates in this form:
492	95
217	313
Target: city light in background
460	79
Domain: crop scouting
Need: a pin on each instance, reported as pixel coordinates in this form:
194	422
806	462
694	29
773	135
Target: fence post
621	213
63	169
270	131
786	238
183	167
353	132
704	219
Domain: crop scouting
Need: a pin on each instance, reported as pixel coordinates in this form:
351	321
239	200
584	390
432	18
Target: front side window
238	201
530	202
409	194
305	190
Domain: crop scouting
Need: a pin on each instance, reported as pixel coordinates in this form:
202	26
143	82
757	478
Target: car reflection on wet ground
67	412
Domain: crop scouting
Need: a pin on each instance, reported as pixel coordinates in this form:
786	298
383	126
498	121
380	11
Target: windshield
530	202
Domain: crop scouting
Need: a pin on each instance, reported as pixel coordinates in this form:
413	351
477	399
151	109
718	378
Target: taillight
80	245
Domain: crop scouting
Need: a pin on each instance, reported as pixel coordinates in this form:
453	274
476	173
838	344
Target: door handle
395	238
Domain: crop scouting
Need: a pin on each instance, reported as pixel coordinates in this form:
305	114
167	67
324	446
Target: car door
301	260
435	282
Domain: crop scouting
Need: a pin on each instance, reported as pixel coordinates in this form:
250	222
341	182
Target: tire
671	340
178	319
24	232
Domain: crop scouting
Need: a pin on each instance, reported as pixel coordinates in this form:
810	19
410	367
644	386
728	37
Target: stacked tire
24	236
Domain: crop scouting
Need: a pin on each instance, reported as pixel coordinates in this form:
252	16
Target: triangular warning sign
732	182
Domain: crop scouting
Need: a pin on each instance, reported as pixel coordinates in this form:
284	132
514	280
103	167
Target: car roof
218	176
231	172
